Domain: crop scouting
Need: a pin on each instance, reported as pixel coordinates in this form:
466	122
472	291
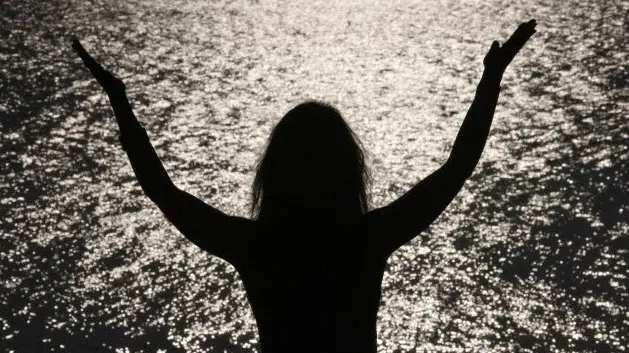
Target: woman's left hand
106	79
499	57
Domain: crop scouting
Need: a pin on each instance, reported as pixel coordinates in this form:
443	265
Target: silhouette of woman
313	255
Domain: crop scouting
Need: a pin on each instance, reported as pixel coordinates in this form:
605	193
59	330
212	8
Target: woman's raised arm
406	217
219	234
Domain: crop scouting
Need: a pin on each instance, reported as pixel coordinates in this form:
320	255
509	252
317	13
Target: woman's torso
314	286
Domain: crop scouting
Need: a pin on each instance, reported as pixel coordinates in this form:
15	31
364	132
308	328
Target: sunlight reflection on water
531	256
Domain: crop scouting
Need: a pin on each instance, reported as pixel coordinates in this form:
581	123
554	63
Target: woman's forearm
146	165
470	141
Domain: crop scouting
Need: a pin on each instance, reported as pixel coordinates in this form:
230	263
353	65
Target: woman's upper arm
406	217
219	234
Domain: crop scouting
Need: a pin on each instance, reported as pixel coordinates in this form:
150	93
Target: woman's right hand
110	83
499	57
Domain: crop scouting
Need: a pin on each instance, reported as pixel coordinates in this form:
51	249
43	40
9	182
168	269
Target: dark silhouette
313	256
313	161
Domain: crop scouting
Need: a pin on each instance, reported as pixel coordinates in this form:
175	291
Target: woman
313	255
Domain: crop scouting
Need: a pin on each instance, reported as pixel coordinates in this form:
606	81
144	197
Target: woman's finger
81	52
87	59
517	40
521	35
105	78
491	54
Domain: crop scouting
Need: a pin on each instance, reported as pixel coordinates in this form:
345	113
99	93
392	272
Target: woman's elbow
158	193
462	169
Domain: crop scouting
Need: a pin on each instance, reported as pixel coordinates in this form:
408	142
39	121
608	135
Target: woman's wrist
490	81
117	93
493	73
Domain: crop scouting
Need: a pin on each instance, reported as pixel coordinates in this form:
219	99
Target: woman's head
313	162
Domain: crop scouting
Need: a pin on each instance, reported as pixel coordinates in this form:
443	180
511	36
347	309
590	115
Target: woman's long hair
313	162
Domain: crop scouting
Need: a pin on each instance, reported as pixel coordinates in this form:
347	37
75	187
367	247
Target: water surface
531	256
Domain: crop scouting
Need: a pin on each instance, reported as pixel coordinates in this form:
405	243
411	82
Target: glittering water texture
531	256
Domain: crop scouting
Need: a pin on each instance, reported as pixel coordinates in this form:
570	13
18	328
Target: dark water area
531	256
